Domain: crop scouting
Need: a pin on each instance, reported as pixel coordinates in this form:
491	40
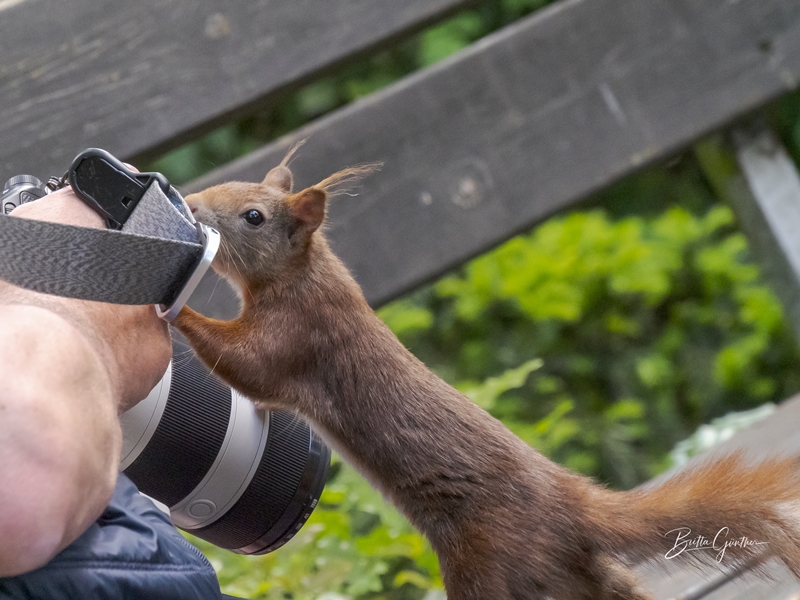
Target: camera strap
157	255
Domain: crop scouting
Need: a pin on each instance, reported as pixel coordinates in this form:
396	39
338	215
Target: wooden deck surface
777	435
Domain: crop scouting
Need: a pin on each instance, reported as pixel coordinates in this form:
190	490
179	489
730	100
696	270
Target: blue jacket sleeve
131	552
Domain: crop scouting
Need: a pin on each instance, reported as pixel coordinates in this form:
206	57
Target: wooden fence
525	123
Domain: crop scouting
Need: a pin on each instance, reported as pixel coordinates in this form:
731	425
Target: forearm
67	369
132	341
59	436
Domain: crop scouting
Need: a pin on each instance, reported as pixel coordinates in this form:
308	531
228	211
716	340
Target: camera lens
242	479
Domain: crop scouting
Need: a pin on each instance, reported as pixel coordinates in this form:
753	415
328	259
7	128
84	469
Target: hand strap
148	262
94	264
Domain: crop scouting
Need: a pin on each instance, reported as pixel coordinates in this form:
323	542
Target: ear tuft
280	177
308	207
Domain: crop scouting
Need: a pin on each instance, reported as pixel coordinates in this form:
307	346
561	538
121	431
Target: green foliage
353	546
646	328
485	394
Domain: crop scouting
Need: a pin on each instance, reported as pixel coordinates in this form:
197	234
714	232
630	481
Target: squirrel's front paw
272	403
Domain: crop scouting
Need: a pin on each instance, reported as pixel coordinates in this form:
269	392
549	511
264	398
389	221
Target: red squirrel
505	522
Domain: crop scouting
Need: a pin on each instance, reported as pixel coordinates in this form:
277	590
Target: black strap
94	264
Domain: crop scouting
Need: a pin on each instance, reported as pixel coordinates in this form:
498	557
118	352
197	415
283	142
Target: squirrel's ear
281	178
308	208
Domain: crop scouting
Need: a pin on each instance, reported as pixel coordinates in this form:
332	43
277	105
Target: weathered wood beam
750	169
769	211
530	120
134	77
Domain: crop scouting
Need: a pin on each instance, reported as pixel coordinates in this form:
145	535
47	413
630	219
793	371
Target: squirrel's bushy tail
723	510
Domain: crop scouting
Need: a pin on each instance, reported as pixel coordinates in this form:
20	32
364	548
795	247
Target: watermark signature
686	542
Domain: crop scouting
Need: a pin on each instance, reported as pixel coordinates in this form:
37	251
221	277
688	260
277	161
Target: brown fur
506	522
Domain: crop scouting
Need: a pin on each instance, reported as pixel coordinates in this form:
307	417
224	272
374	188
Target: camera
243	479
19	190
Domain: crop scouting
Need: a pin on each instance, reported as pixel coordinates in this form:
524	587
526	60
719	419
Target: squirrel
506	522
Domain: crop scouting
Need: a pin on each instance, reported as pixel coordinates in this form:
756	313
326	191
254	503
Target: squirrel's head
266	228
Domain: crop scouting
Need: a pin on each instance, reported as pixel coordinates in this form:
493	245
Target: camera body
242	479
19	190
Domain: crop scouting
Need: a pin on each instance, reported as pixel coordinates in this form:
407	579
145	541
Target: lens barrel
242	479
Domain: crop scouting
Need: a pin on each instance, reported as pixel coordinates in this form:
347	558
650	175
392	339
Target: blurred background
619	338
604	337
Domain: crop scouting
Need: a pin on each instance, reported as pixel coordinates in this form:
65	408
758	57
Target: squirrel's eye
253	217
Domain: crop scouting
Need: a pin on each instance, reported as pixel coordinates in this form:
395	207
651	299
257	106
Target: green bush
646	328
353	546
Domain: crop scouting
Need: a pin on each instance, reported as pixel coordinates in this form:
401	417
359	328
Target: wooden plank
132	77
768	206
667	581
531	119
749	168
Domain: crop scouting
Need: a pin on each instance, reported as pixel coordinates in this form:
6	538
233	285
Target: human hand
132	341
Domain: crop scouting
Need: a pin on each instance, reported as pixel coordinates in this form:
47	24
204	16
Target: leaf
486	394
318	98
654	370
405	318
442	41
734	362
412	577
366	577
380	542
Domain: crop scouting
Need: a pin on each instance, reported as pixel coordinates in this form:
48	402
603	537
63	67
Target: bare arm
59	437
68	368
